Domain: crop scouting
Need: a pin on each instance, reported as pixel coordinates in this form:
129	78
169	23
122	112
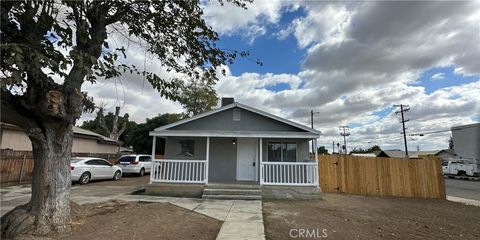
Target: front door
246	159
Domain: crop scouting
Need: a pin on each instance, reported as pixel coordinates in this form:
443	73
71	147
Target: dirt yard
342	216
122	220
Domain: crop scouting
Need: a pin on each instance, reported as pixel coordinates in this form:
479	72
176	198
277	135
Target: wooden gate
382	176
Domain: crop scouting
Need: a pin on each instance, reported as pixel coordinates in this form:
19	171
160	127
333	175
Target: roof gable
252	119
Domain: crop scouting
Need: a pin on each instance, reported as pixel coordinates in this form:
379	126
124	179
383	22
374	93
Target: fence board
382	176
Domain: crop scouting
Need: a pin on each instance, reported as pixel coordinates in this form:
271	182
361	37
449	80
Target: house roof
164	130
81	131
77	131
411	154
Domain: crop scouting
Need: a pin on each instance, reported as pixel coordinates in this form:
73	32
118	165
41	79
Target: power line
403	108
424	133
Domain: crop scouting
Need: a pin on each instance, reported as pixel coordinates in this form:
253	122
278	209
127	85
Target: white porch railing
179	171
289	173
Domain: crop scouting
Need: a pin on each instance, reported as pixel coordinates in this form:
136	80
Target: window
187	147
282	152
102	162
145	159
237	114
126	159
91	162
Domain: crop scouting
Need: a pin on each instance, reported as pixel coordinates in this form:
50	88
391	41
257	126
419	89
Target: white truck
461	167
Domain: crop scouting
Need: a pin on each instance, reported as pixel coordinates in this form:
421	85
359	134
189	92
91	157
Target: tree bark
48	211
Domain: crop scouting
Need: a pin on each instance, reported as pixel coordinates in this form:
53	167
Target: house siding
19	141
249	121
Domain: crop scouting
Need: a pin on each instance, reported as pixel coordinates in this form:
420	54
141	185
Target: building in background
466	141
441	154
84	141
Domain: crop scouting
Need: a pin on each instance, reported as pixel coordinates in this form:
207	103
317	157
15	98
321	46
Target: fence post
21	169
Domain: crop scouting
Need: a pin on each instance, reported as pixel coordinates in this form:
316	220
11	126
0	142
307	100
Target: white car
85	169
137	164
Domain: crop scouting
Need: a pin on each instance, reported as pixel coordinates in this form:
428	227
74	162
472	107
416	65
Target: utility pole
345	133
403	108
311	122
333	147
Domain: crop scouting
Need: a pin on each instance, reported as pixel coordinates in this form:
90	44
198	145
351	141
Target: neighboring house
441	154
466	141
84	141
235	144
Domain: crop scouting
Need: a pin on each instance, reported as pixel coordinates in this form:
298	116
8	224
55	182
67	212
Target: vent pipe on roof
227	101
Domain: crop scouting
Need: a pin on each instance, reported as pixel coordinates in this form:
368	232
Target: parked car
85	169
137	164
461	167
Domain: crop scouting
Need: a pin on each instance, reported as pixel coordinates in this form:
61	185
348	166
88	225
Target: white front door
246	159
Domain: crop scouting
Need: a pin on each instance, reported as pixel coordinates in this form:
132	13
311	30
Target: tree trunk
48	211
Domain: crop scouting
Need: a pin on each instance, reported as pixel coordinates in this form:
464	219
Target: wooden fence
16	166
382	176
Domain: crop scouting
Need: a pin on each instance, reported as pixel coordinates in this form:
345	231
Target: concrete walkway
242	219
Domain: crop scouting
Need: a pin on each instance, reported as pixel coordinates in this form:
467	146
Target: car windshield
127	159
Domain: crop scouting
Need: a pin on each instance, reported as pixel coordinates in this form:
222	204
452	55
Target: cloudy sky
348	61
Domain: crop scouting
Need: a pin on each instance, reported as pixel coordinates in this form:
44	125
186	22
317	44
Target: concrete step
232	186
220	191
233	197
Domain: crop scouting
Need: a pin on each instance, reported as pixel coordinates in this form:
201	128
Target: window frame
283	147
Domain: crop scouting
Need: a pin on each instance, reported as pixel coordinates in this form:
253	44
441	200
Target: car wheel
117	175
142	172
85	178
462	173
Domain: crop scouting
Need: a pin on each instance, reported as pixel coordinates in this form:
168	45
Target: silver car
85	169
136	164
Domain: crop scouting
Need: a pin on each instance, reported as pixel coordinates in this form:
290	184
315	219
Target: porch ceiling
247	134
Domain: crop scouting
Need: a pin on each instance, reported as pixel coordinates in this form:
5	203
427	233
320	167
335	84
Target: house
441	154
235	147
466	141
84	141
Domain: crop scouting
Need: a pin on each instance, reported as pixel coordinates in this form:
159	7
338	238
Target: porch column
317	179
260	140
154	167
207	158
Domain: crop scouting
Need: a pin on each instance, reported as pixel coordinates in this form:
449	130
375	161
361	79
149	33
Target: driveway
17	195
463	188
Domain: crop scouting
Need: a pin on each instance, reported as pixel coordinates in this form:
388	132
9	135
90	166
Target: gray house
233	151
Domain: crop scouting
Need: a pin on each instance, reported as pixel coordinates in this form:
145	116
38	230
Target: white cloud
230	19
438	76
